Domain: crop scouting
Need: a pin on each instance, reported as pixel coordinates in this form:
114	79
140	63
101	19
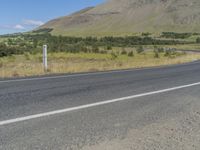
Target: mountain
125	17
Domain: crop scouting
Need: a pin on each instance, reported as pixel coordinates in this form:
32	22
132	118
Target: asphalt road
140	122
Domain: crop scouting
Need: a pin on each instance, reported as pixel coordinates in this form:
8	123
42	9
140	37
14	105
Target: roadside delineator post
45	64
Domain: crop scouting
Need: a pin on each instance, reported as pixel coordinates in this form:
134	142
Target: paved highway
152	108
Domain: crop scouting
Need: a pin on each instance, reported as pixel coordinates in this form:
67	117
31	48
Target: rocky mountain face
123	17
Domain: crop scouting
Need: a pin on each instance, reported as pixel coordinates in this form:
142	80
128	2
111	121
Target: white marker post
45	65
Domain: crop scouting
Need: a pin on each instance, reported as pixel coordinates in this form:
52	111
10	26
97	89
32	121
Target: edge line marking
51	113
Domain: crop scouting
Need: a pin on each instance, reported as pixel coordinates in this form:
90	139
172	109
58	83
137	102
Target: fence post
45	64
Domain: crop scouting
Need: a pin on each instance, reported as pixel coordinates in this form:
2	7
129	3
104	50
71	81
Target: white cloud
19	27
15	27
27	24
33	22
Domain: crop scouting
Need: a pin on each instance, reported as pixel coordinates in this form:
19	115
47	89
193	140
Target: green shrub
1	64
146	34
176	35
113	56
27	56
123	52
156	54
131	54
103	52
198	40
167	53
95	49
109	47
170	53
160	49
10	50
140	49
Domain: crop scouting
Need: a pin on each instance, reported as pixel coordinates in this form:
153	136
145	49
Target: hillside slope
122	17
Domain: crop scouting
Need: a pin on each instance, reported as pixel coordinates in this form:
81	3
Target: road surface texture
161	112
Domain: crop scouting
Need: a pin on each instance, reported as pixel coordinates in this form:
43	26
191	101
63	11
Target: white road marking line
63	76
66	76
16	120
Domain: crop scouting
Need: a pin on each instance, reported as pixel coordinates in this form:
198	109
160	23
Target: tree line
21	43
174	35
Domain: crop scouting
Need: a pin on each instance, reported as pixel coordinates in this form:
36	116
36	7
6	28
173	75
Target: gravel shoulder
180	133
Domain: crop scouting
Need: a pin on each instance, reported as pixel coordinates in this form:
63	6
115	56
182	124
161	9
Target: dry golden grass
31	65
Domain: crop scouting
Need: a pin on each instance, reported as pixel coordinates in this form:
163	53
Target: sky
25	15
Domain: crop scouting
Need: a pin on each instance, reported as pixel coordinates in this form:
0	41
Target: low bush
198	40
156	54
123	52
113	56
27	56
1	64
140	49
161	50
131	54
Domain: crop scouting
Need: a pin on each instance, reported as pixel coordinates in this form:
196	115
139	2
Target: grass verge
30	65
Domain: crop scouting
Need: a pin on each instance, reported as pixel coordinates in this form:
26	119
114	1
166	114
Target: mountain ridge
118	17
